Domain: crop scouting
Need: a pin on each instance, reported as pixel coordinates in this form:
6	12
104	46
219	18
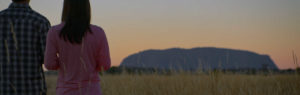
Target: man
23	35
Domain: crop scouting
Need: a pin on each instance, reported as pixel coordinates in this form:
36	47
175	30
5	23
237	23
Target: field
201	84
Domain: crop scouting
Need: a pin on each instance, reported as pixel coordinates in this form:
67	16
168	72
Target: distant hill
199	58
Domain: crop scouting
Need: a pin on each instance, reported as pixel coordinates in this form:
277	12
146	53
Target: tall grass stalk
215	83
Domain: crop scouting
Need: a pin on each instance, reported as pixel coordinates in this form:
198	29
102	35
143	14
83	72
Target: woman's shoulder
54	30
97	29
58	26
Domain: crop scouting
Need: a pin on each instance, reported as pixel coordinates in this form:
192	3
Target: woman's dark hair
76	16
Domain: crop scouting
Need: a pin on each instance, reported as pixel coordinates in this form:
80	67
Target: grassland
202	84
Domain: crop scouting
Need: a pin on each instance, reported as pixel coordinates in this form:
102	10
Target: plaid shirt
22	34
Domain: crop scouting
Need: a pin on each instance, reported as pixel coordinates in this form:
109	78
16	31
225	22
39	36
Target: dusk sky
269	27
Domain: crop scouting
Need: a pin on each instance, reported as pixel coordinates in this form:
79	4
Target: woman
77	50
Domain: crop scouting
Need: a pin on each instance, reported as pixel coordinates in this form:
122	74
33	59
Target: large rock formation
199	58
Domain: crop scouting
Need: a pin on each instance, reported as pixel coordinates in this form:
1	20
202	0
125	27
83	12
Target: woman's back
78	64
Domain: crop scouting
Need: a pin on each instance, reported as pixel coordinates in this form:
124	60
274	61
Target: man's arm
44	28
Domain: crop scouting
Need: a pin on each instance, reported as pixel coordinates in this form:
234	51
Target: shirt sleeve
44	28
51	59
103	58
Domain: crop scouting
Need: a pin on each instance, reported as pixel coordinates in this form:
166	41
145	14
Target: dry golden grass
185	84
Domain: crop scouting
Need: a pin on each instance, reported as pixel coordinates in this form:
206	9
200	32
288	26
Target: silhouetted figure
78	50
23	38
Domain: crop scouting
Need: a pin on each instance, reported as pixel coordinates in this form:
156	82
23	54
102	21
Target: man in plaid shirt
23	36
